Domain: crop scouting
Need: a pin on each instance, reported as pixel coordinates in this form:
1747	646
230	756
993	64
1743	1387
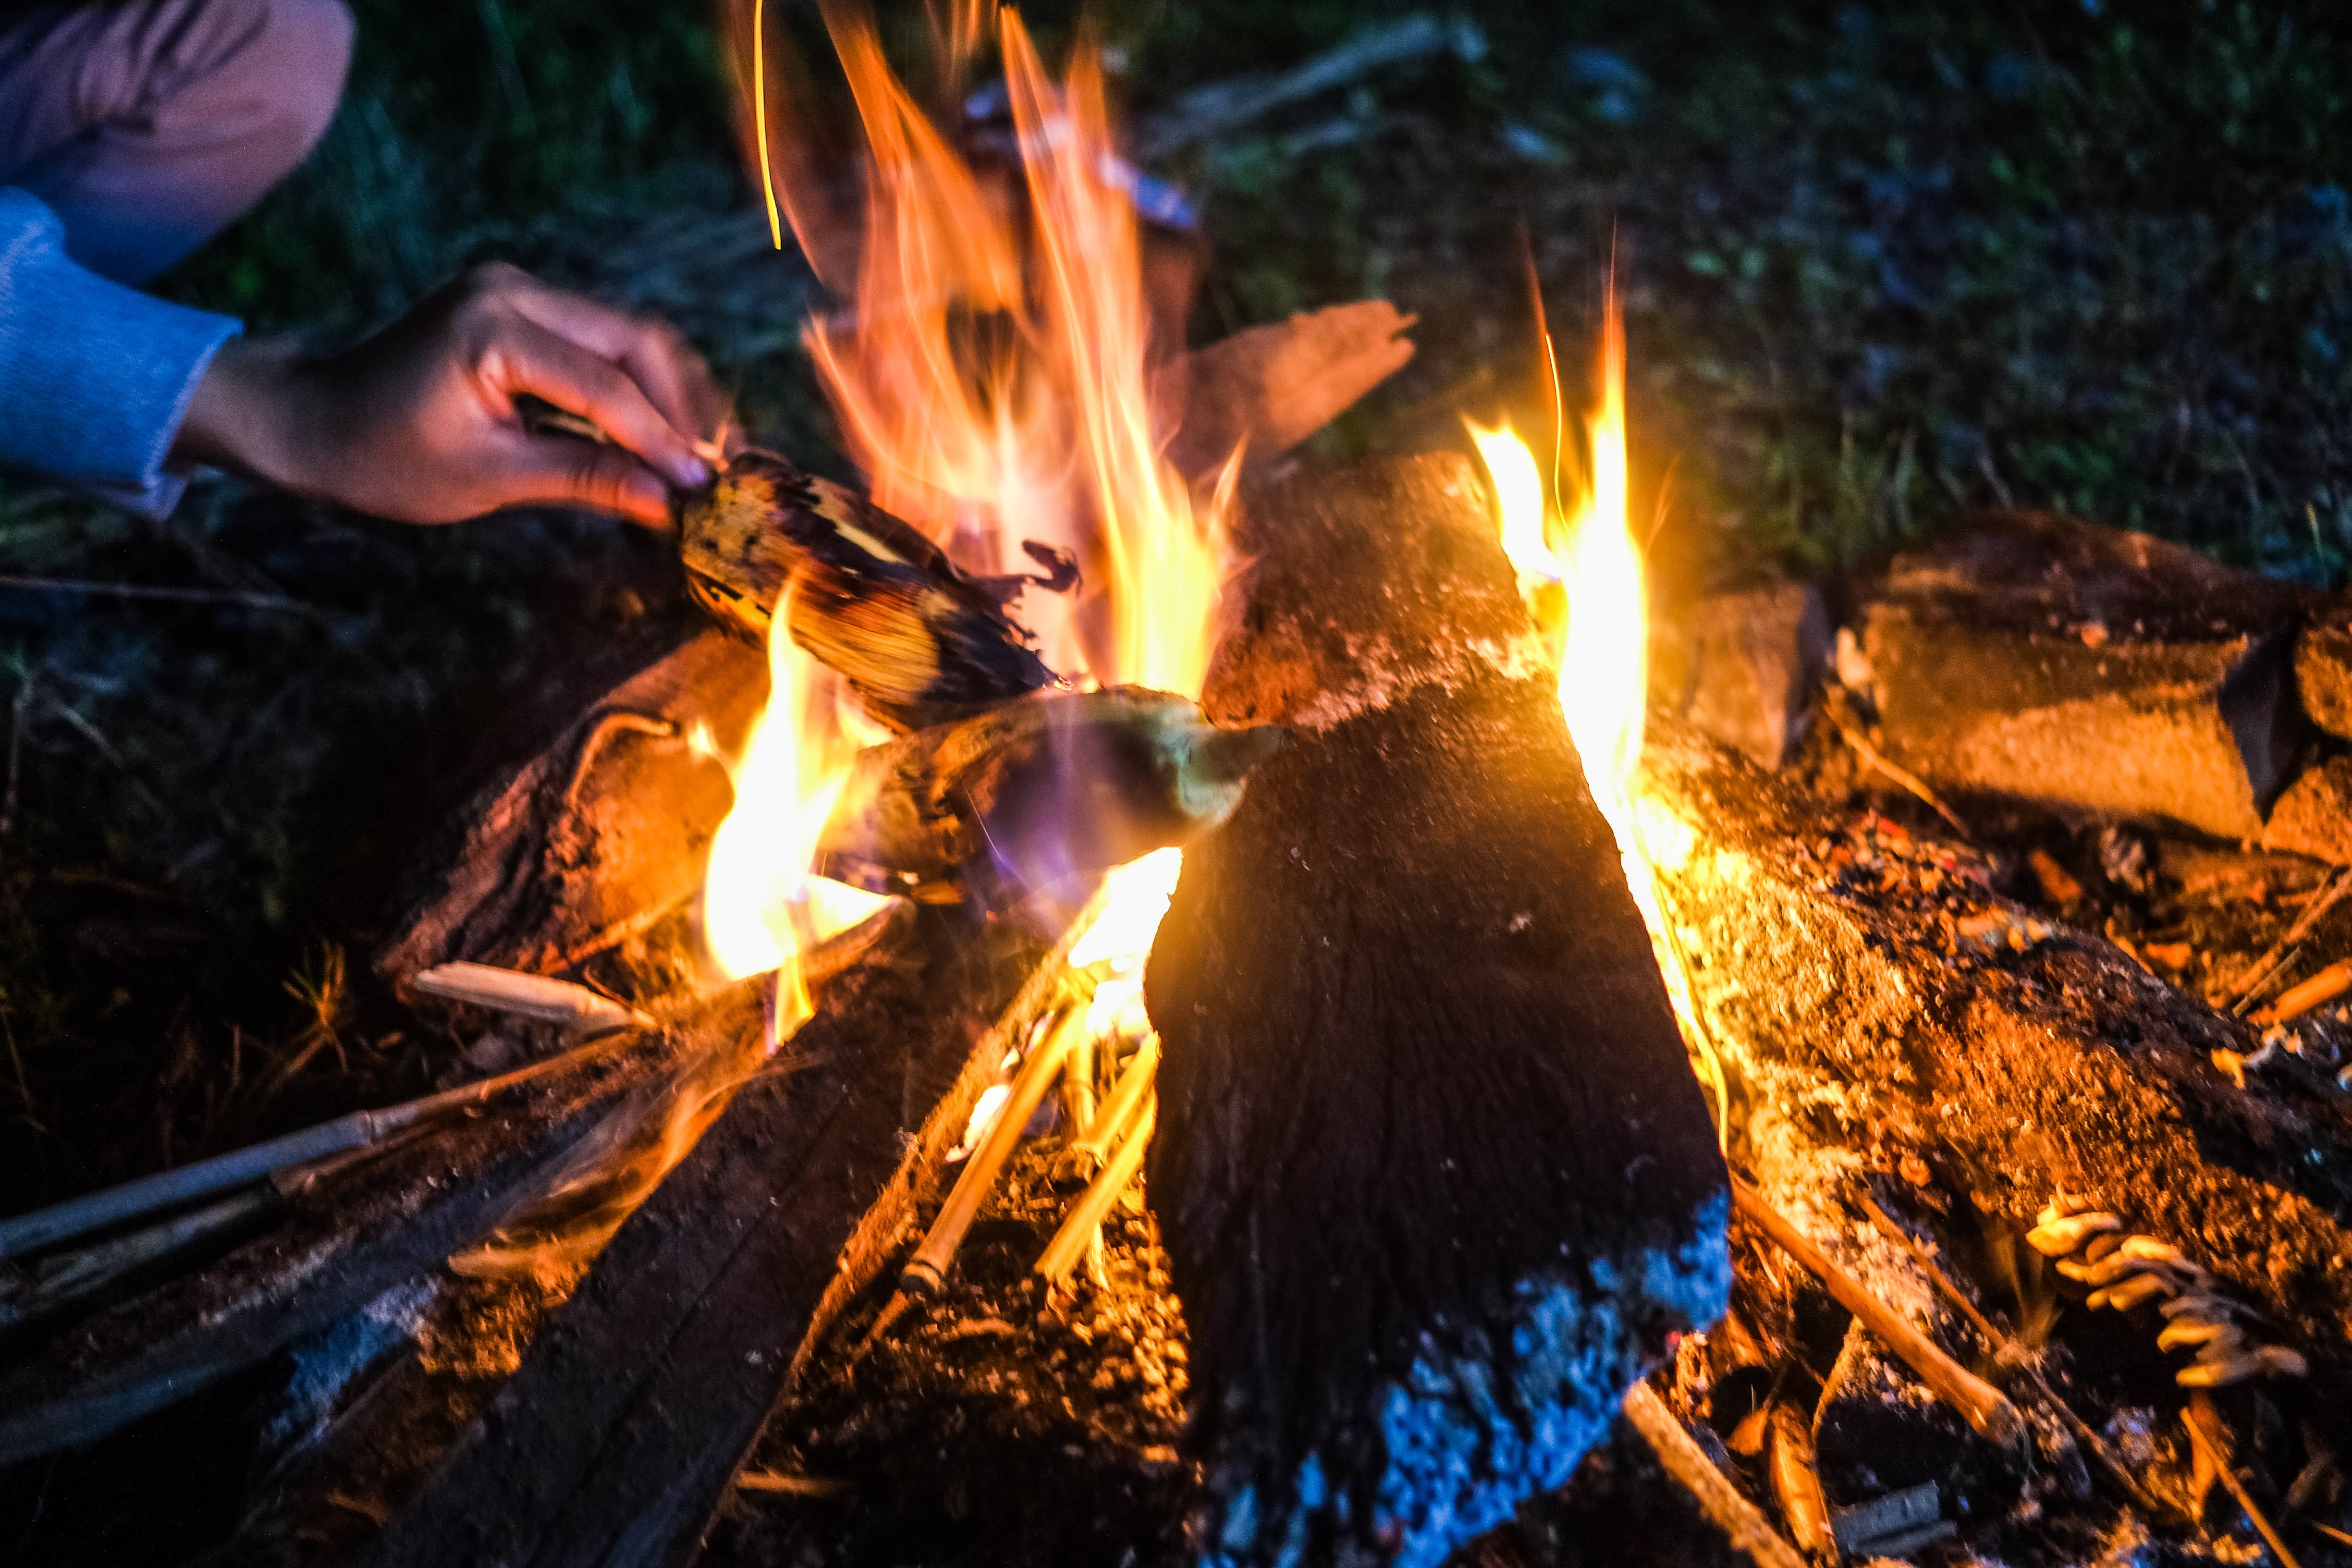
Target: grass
1881	264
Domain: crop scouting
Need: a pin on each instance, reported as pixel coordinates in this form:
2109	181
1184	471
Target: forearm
243	416
94	378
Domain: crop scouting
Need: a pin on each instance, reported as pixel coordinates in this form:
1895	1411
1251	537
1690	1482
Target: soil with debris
1002	1421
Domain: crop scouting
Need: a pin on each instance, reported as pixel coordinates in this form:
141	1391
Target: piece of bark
2322	669
388	1216
1263	390
2034	657
1743	667
1896	1013
615	1439
1434	1177
598	837
1035	793
2313	816
872	598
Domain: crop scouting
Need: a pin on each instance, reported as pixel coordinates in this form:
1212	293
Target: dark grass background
1881	263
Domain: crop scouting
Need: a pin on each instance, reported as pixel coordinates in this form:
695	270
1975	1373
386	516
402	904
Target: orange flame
990	377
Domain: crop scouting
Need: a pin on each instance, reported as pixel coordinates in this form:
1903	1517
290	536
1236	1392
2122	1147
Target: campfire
1123	995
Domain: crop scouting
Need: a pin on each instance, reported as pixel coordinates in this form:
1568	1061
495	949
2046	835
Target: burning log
603	834
1033	794
1263	390
871	598
1427	1132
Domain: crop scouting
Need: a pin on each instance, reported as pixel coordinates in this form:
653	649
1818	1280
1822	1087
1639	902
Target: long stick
2217	1454
1984	1408
60	1282
1687	1463
1125	1096
928	1268
1069	1243
238	598
78	1216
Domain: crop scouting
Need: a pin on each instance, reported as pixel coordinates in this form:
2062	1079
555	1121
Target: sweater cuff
95	378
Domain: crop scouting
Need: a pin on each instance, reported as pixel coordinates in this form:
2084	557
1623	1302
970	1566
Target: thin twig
1223	106
1911	783
1984	1408
18	713
79	1216
239	597
2272	964
2209	1443
1684	1462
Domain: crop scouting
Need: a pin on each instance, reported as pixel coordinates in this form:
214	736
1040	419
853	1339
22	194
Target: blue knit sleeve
94	377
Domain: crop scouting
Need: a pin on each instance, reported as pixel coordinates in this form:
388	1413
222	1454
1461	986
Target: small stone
2313	816
2322	669
1742	667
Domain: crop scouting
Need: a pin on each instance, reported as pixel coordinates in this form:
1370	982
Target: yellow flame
1605	666
762	910
1519	503
759	117
1603	655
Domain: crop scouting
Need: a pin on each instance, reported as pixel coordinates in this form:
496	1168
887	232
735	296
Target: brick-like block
2088	670
1742	667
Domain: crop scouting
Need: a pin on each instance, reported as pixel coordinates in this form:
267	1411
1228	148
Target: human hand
419	422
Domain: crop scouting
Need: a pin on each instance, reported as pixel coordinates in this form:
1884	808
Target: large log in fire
1435	1179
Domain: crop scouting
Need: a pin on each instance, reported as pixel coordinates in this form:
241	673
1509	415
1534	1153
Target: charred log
1435	1179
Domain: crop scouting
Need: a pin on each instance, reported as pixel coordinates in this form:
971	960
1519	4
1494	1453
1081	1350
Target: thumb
553	470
